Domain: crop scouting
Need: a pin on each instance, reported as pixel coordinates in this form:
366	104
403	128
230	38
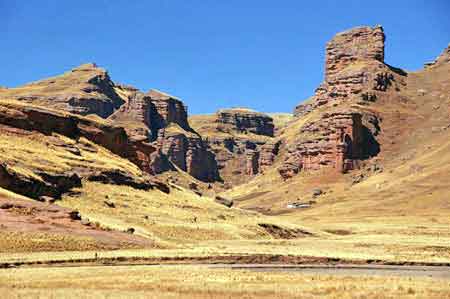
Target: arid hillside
92	162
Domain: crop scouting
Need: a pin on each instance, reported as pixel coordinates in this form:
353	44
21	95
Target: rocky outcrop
244	121
348	47
189	153
343	133
137	116
111	137
237	136
267	154
354	70
169	109
161	119
38	186
84	90
119	177
251	159
336	140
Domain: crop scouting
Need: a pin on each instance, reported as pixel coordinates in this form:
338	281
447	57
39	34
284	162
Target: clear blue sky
266	55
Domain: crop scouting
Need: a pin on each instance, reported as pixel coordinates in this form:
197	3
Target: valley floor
191	281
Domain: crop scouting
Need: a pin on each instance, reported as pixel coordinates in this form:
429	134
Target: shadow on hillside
371	147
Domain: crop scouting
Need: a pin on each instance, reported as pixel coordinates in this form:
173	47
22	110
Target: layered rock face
337	140
84	90
161	119
354	70
189	153
355	76
358	44
245	121
169	109
252	162
267	154
261	157
241	140
47	122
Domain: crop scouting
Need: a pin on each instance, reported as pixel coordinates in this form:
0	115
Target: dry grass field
203	282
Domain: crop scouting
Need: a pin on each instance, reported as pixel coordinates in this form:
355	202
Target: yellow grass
203	282
180	218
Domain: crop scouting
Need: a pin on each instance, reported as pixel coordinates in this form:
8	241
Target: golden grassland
49	153
24	242
202	282
179	218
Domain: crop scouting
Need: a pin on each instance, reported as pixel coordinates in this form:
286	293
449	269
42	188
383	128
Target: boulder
224	201
317	192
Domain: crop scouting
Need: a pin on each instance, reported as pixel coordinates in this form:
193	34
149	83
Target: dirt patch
255	259
36	226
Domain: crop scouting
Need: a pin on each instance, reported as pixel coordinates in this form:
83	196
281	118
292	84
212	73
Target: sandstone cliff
244	121
341	128
161	119
242	141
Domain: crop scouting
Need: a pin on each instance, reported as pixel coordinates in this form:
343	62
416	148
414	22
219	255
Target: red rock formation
109	136
136	116
348	47
175	147
169	109
252	165
244	121
267	154
355	73
336	140
161	119
236	137
354	70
